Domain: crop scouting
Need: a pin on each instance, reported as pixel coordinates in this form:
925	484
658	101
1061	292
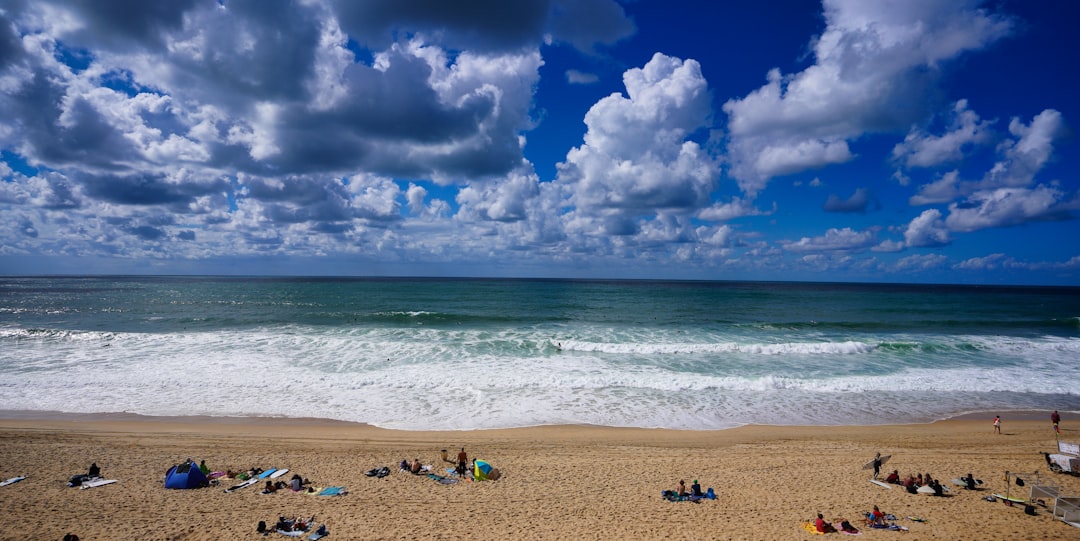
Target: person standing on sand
1056	419
997	424
462	462
877	464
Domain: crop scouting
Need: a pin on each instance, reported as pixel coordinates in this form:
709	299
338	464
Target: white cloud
872	64
942	190
736	208
921	262
835	240
989	262
635	159
927	229
920	149
1029	153
1005	207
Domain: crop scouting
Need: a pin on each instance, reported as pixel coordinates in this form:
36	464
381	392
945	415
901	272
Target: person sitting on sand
876	517
695	489
95	471
823	526
969	482
893	477
269	488
919	480
938	489
681	489
416	466
296	484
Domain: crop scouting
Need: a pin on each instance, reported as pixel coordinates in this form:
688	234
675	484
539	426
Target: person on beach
95	471
893	478
462	462
997	424
681	489
203	467
695	489
269	488
1056	419
969	482
296	484
877	464
416	467
876	518
823	526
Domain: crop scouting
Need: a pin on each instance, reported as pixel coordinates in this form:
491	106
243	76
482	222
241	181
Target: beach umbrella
483	471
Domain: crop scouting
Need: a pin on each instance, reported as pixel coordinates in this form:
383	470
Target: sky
848	140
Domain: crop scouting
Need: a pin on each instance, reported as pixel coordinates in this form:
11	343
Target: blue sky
851	140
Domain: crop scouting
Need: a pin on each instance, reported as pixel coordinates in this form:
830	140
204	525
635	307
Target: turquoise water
467	354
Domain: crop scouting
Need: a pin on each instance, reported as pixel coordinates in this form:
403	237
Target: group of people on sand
836	525
295	484
680	493
913	482
461	468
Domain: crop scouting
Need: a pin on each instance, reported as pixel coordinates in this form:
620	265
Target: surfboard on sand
13	480
1010	499
961	482
279	473
870	465
97	483
266	473
247	483
881	483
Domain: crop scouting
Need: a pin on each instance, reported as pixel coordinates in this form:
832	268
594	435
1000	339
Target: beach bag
1029	510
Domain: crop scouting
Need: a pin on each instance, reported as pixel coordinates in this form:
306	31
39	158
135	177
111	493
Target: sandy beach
557	483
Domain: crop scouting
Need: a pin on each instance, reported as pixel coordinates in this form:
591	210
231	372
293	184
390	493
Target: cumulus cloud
920	149
873	64
1028	153
636	158
927	229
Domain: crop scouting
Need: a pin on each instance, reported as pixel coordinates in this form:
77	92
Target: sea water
458	354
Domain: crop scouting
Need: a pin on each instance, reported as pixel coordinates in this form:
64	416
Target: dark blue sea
464	354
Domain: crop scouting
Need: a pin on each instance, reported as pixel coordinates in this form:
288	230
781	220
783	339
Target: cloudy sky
855	140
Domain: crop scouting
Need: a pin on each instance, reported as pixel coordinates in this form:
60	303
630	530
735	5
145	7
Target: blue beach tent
186	475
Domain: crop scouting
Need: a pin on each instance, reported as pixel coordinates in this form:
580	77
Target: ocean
463	354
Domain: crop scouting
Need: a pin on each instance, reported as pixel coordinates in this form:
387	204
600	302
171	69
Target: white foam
428	378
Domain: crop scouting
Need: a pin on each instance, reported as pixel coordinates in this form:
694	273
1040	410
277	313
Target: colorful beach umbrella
483	471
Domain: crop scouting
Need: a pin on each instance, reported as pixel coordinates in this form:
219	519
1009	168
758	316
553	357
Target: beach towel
442	479
332	491
809	526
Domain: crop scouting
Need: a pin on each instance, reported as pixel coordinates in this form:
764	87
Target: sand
558	482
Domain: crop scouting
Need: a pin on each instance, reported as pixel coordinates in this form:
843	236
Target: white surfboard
279	473
870	465
97	483
925	489
881	483
12	480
